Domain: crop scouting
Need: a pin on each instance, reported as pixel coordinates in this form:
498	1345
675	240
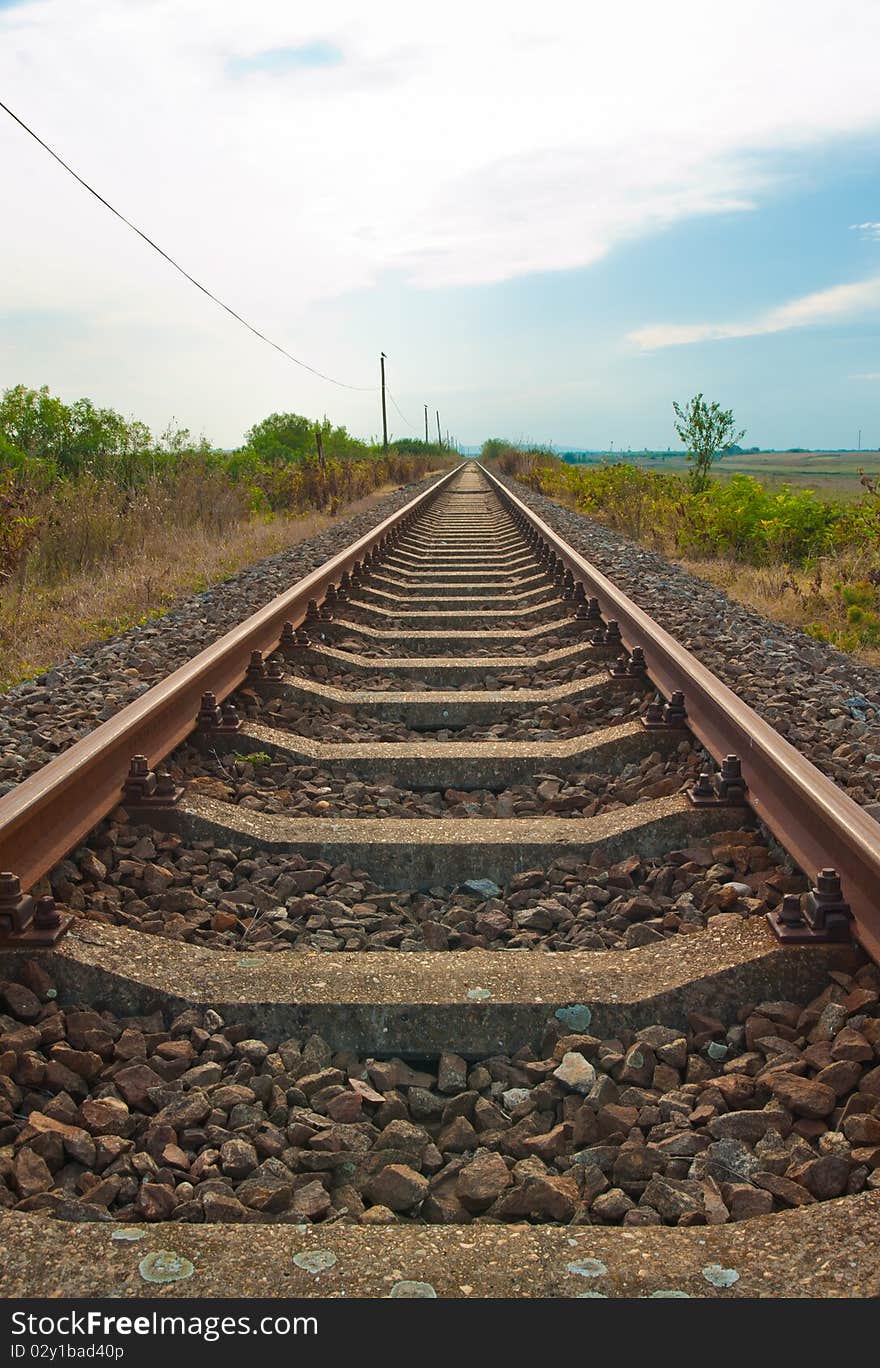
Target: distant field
834	473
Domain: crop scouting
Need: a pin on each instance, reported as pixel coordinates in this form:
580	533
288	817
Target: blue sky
553	230
278	61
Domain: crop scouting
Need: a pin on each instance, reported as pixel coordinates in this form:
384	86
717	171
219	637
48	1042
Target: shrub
79	485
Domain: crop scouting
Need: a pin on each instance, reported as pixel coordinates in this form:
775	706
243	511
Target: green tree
281	437
73	439
35	422
707	432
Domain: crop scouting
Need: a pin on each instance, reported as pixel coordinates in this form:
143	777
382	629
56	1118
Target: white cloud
866	230
449	147
866	375
823	306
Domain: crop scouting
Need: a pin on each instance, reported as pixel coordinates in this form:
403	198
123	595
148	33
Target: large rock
825	1177
635	1165
311	1201
21	1002
238	1158
155	1201
747	1126
106	1116
803	1096
220	1206
77	1142
576	1072
482	1181
398	1187
452	1073
135	1082
540	1198
612	1206
673	1198
32	1173
745	1201
727	1161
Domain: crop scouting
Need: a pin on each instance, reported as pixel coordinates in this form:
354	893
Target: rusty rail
50	811
816	822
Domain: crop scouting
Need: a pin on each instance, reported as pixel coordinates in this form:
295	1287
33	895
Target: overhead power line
397	406
186	275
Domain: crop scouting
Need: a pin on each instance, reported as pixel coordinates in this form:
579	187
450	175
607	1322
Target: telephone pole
439	433
426	425
384	411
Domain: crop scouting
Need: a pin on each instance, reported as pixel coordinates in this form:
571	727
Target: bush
738	517
79	485
19	526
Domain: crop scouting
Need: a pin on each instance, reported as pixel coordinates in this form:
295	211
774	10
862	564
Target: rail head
816	822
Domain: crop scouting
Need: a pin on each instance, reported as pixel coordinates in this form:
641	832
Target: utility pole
426	425
384	411
439	434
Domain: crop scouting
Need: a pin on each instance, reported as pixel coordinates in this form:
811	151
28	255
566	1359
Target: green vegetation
836	473
706	431
101	522
79	484
810	560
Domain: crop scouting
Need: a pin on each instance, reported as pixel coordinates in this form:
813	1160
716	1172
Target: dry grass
40	623
794	597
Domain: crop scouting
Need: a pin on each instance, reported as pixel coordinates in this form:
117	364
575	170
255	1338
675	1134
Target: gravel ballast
261	785
225	899
142	1119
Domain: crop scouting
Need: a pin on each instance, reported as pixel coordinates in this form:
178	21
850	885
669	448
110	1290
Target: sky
554	220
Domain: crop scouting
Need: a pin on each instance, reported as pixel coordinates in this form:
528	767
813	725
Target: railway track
414	810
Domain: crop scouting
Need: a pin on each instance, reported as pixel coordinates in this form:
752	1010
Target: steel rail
817	823
50	811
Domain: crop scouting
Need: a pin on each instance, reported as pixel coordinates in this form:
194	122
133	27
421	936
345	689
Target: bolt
790	913
46	914
654	711
731	785
229	719
10	887
209	714
166	790
256	669
703	788
828	884
674	713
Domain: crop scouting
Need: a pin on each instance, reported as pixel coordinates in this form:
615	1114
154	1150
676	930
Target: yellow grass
781	594
40	624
